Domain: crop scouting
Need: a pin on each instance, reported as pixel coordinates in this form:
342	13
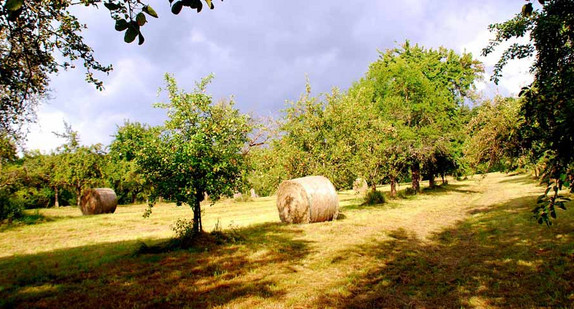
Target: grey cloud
259	50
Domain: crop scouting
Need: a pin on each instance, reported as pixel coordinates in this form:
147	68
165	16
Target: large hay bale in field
308	199
98	201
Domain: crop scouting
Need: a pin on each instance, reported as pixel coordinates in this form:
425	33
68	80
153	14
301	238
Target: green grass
468	244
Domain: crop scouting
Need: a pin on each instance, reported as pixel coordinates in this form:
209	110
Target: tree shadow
110	275
494	260
518	178
447	188
30	219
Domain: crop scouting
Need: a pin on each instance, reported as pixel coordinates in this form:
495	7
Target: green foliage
418	94
34	32
311	142
184	232
374	198
198	151
407	111
493	136
266	171
548	107
121	171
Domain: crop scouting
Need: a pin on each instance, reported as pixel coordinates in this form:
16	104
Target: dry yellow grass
470	244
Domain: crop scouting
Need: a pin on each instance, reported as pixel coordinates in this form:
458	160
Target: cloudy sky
260	52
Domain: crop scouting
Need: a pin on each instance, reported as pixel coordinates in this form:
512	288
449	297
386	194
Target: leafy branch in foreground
39	38
548	103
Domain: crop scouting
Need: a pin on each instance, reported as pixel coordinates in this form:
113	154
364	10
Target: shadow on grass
29	219
110	275
518	178
446	188
496	259
359	204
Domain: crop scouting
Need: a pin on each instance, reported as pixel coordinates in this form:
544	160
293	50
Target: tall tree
421	91
77	167
122	172
198	151
548	107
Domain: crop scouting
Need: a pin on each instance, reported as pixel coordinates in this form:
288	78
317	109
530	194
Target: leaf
111	6
527	9
176	8
13	5
140	18
130	35
541	1
13	15
121	25
150	11
141	39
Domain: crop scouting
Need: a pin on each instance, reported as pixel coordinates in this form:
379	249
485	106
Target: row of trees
412	115
406	117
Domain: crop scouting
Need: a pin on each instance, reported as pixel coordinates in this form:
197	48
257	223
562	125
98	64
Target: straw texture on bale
306	200
98	201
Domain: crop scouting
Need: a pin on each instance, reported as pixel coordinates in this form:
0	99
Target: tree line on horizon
409	117
413	115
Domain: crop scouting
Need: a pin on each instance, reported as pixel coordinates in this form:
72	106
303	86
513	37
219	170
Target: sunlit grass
469	244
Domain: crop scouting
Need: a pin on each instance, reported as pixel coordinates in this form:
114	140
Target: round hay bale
308	199
98	201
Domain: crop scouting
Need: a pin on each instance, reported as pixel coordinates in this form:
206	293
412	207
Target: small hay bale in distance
98	201
360	186
306	200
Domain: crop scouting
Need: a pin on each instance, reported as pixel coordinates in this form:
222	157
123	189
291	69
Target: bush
374	198
10	207
184	233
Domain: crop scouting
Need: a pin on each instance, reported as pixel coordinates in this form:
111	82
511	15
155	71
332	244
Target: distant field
468	244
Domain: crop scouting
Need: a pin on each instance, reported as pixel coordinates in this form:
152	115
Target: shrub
184	233
374	198
10	207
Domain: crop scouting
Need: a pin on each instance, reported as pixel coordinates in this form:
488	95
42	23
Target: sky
260	52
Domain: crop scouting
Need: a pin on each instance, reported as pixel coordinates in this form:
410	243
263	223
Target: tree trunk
416	177
432	182
197	224
78	196
56	201
393	186
444	181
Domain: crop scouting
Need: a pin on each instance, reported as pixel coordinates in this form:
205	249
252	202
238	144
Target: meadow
471	243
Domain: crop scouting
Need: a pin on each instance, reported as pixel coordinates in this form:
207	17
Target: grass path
469	244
